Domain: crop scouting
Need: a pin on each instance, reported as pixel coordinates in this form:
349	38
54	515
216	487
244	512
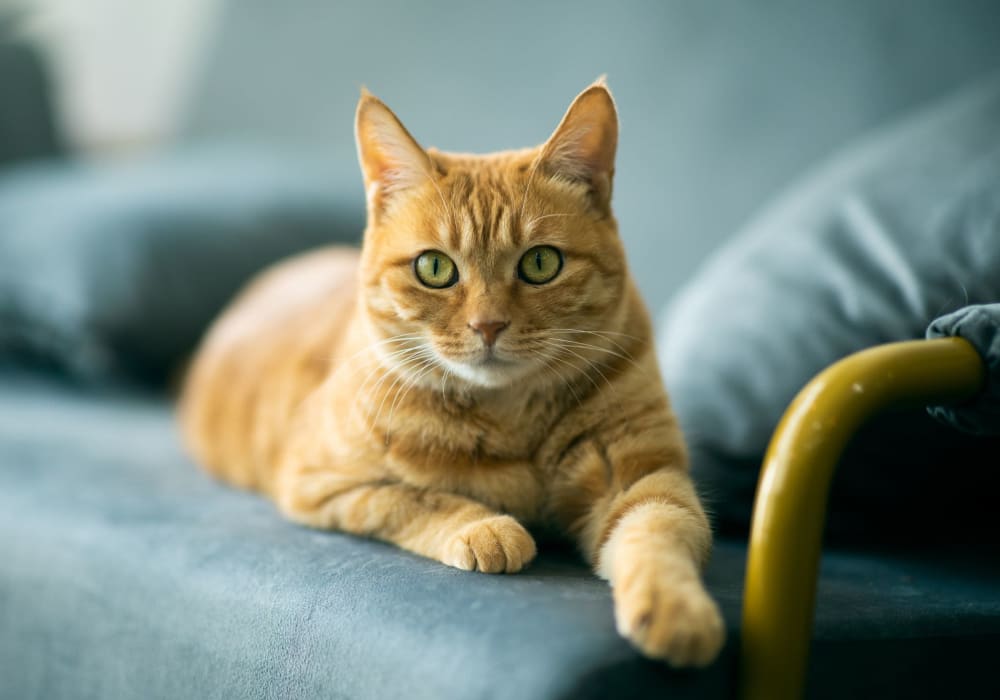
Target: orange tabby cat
484	363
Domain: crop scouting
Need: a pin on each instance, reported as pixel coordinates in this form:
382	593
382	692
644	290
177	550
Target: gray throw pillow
113	271
901	228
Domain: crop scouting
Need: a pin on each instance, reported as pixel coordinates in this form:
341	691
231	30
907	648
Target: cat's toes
672	620
492	545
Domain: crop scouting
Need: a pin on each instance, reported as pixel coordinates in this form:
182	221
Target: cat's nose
489	330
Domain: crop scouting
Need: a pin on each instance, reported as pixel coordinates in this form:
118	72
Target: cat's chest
512	430
477	451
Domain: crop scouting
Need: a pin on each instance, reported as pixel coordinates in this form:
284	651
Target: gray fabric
126	573
722	103
902	227
980	325
115	269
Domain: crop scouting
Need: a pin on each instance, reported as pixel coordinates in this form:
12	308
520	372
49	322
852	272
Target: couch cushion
901	228
125	572
114	269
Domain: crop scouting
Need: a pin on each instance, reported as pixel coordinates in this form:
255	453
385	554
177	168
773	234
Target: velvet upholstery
126	572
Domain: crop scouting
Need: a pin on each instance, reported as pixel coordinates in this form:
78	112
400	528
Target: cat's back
261	357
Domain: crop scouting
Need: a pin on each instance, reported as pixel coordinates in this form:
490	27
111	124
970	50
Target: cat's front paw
493	545
674	620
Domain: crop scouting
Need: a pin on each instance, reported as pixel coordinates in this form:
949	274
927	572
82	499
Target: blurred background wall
722	104
122	69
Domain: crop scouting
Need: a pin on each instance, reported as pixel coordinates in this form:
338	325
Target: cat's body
439	392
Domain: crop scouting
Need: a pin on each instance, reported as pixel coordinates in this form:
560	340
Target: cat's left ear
391	160
582	148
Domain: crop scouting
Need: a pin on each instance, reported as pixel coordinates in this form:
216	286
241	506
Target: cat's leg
654	540
649	539
454	530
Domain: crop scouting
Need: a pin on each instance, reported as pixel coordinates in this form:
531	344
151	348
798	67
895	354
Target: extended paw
668	619
492	545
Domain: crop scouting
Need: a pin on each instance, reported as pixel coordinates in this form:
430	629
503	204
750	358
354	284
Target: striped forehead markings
484	213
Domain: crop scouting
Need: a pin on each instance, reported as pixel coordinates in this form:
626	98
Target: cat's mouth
488	356
488	367
482	356
490	360
486	359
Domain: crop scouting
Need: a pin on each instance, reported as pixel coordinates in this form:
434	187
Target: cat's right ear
391	160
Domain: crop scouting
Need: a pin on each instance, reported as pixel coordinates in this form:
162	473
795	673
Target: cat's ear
582	148
391	160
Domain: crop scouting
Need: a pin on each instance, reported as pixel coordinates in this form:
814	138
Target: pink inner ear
389	156
583	147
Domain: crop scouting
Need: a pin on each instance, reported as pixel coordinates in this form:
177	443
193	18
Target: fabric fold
980	325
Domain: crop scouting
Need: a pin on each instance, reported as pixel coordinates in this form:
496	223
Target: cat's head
492	267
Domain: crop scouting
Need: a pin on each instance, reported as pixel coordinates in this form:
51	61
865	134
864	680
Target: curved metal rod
790	506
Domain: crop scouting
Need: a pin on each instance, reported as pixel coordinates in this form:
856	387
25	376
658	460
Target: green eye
540	264
435	269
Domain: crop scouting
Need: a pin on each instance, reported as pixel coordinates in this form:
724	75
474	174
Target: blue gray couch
127	573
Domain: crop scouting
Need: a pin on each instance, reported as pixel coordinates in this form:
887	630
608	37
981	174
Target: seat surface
125	572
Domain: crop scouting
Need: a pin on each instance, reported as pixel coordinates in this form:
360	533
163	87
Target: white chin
489	376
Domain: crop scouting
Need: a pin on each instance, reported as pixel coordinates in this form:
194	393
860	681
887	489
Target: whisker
594	365
444	203
559	376
581	370
589	346
573	368
345	362
397	372
626	355
426	367
527	187
444	383
545	216
601	333
369	352
398	356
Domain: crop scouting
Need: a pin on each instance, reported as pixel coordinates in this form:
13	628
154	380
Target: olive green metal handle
790	506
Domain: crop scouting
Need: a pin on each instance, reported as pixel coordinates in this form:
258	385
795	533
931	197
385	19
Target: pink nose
488	329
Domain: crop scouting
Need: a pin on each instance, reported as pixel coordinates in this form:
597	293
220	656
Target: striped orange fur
446	419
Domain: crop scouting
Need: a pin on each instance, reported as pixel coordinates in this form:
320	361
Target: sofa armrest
790	504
